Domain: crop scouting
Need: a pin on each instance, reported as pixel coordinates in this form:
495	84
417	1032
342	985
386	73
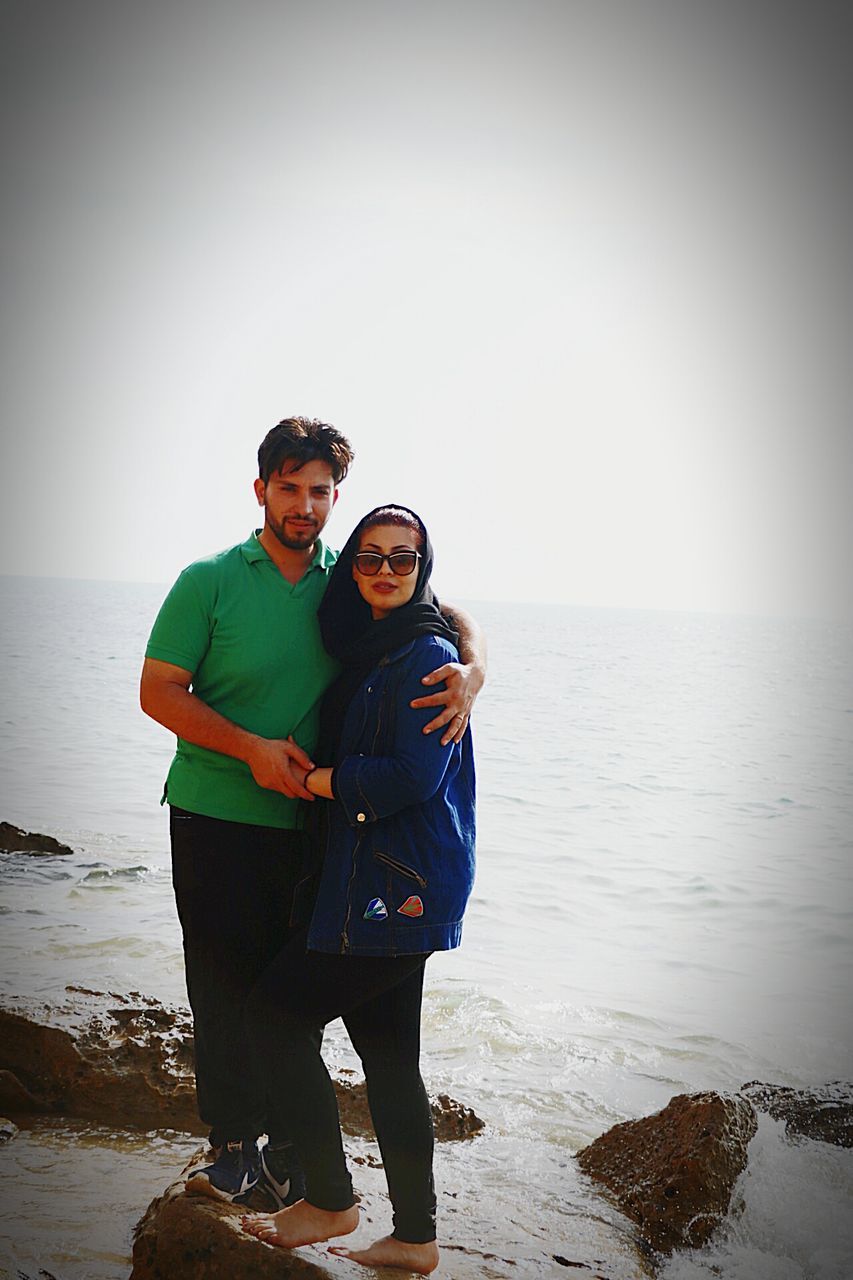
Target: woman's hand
314	781
463	682
319	783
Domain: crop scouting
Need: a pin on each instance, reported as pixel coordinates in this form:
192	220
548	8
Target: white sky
575	278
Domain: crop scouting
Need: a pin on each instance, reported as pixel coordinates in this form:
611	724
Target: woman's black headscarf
357	640
349	631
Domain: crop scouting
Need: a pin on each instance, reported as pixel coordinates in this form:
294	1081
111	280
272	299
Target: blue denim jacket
399	863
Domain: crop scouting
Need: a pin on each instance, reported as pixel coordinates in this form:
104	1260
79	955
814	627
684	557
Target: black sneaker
281	1176
235	1170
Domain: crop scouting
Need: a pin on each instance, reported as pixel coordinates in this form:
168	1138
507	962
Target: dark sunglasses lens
403	562
368	563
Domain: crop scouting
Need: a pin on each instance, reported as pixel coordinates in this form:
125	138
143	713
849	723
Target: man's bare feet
388	1252
302	1223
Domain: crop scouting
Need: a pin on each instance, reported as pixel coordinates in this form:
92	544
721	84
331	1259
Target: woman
397	873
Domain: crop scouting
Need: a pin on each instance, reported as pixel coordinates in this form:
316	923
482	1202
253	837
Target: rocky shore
665	1181
127	1061
642	1190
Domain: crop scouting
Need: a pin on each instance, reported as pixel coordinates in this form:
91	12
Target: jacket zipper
378	717
401	867
344	932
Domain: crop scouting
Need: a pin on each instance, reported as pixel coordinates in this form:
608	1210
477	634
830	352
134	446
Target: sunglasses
401	563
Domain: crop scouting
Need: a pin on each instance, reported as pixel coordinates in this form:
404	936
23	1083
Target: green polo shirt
252	641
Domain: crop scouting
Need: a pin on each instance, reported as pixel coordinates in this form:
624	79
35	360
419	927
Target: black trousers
234	887
379	999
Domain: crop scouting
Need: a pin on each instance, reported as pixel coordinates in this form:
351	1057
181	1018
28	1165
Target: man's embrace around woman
236	668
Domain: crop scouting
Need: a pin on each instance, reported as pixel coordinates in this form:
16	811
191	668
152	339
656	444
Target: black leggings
379	999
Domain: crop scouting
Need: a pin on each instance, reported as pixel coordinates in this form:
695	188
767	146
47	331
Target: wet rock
80	1060
128	1061
451	1119
7	1130
673	1172
14	840
192	1236
14	1097
824	1113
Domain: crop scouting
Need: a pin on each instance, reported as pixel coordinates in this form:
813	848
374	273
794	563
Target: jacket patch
411	907
376	910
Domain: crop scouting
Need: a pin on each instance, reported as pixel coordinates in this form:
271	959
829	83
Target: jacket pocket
400	868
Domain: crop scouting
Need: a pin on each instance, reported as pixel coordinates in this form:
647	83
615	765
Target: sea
664	904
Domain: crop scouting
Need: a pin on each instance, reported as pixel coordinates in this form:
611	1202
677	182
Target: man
236	669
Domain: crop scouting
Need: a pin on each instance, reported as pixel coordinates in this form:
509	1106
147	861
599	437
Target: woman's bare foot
302	1223
388	1252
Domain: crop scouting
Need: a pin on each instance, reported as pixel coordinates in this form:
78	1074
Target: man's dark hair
301	440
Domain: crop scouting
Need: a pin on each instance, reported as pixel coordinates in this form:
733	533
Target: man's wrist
250	743
476	674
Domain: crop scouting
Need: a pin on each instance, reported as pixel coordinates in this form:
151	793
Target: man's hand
280	765
464	681
276	763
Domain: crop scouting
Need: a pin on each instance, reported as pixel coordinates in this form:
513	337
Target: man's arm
164	694
463	679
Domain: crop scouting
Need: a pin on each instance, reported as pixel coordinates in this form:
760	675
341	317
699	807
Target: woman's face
386	590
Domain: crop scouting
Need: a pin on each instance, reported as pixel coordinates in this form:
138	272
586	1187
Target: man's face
297	504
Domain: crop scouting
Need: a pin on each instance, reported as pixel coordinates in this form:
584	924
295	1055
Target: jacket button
361	817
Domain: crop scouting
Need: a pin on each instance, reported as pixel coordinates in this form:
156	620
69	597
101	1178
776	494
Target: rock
193	1236
824	1113
14	1097
7	1129
128	1066
452	1120
673	1172
128	1061
14	840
